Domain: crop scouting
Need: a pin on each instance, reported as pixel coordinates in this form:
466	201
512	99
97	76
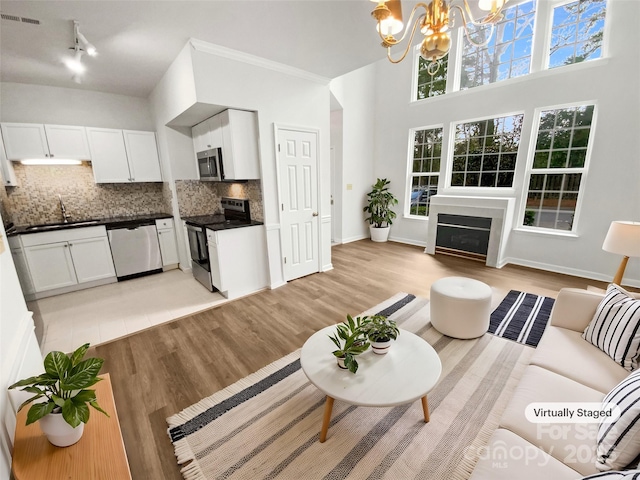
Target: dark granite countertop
219	222
109	222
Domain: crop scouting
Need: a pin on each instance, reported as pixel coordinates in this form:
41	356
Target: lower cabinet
167	240
238	259
63	259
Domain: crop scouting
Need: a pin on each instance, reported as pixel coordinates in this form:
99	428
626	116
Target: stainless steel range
235	214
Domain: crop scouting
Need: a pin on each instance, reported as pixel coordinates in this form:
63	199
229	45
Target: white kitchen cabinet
142	152
201	137
22	269
67	258
167	240
119	156
240	145
238	259
6	168
34	140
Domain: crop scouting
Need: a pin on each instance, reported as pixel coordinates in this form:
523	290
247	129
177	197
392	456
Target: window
485	152
508	53
432	85
558	166
577	31
425	172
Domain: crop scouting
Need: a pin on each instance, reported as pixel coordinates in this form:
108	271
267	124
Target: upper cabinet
8	175
236	132
123	156
33	140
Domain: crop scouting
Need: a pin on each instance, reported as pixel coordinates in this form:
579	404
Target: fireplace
463	236
473	226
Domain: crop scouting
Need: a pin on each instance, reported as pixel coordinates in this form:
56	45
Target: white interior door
298	163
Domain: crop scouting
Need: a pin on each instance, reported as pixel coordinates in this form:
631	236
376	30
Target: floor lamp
623	238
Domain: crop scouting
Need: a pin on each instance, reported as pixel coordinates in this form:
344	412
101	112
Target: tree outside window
485	152
577	32
431	85
558	167
425	169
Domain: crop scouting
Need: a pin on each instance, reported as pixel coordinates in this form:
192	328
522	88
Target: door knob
315	214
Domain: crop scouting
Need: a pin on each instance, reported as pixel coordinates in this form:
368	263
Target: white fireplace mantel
498	209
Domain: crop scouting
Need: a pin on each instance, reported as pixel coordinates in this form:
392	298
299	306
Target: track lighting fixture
80	47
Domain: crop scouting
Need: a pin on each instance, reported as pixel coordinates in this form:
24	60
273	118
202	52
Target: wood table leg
328	407
425	409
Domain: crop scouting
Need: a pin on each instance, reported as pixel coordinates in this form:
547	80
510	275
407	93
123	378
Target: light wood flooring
164	369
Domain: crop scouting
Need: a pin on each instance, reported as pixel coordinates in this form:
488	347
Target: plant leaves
71	414
78	354
85	396
97	407
27	402
59	401
57	364
39	410
83	375
42	379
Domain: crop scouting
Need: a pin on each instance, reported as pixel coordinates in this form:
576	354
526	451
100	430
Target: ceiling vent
15	18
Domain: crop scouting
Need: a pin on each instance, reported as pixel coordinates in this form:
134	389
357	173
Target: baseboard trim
354	239
407	241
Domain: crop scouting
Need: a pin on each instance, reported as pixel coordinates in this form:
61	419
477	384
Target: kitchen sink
57	226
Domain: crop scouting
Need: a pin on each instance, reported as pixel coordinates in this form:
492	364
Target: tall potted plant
379	209
64	386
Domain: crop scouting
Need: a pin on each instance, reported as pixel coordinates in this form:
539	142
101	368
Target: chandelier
435	24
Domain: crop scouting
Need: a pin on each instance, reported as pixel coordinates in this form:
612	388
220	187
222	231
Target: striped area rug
521	317
266	426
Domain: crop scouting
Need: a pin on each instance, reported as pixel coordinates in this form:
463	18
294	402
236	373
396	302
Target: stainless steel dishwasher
135	249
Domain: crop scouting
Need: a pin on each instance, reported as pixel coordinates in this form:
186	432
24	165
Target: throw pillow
615	327
618	442
617	475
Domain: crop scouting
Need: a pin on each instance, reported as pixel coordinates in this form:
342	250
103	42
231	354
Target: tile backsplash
35	200
203	198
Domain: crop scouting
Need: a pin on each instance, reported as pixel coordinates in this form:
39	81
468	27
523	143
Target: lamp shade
623	238
393	23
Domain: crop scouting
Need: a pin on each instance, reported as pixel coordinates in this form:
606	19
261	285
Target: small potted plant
380	331
350	341
65	387
379	209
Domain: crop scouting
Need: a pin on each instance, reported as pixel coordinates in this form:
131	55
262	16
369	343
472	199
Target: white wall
612	181
356	93
24	103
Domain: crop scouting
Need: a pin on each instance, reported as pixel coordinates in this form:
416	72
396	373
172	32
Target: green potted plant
350	341
380	201
380	331
64	386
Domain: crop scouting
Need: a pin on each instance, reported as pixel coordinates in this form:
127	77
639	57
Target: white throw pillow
615	327
617	475
618	442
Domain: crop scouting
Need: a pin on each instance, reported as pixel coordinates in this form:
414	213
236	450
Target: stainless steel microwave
210	165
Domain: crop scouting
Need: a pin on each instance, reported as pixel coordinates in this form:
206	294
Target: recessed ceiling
138	40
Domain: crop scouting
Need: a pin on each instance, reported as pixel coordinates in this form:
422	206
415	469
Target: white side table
405	374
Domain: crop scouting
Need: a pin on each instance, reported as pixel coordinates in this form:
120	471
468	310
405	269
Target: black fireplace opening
463	235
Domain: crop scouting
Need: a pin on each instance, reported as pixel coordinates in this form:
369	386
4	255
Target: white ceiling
138	40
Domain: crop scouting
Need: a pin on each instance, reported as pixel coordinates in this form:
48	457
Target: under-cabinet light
50	161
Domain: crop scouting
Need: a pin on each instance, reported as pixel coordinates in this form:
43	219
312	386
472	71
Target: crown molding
231	54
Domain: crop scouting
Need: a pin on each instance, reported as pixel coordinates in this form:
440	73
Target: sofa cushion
508	456
615	327
618	442
573	444
615	475
565	352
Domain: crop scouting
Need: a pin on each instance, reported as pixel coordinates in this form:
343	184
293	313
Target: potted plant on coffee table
64	387
379	209
380	331
350	341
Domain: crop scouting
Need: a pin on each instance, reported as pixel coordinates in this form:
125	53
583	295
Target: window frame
584	171
410	173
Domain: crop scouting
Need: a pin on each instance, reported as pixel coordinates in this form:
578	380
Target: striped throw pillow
617	475
618	442
615	327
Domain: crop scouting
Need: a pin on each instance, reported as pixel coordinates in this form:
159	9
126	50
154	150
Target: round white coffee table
405	374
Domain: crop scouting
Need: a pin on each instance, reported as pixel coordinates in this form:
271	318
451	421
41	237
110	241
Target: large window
425	171
432	85
485	152
558	166
508	53
576	33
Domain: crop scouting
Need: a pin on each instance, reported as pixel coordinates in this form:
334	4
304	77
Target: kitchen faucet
65	217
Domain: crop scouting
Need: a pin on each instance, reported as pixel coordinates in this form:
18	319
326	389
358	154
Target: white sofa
564	368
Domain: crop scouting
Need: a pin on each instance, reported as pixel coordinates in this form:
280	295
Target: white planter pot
381	347
341	363
379	234
59	432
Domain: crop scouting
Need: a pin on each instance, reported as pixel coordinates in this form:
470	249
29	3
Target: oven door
209	164
198	246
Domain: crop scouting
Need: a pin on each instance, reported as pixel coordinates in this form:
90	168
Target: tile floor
100	314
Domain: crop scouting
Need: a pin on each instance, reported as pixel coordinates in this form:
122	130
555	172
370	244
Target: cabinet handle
51	155
66	246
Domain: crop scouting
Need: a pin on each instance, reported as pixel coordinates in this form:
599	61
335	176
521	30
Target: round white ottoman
460	307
